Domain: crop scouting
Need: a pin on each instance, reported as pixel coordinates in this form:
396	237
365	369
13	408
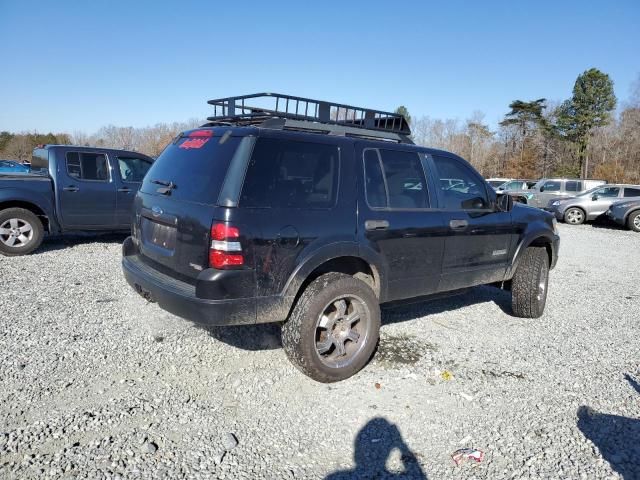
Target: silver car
592	203
547	189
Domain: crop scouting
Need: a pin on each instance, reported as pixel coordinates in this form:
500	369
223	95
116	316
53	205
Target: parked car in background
548	189
496	182
591	204
69	189
513	185
11	166
626	213
316	223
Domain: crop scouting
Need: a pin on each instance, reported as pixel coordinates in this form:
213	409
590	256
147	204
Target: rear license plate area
158	234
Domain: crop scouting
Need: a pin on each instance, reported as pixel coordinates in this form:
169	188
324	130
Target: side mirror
504	203
595	197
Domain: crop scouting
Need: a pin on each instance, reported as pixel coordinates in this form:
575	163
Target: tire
319	335
21	232
574	216
633	222
530	282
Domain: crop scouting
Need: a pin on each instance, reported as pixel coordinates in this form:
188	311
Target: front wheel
574	216
21	232
633	222
530	282
333	329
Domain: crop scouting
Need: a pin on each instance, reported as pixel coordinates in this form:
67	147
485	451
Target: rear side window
551	186
196	165
631	192
394	179
291	174
573	186
460	187
133	169
88	166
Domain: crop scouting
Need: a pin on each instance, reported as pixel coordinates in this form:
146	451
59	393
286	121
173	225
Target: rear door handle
71	188
124	190
458	224
376	224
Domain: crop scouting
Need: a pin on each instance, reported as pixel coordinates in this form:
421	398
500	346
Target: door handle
71	188
376	225
458	224
124	190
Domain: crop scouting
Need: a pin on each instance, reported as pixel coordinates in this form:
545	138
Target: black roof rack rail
274	110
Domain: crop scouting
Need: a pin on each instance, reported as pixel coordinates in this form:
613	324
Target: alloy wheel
342	331
575	216
16	232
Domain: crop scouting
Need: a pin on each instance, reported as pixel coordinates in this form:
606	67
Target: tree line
579	137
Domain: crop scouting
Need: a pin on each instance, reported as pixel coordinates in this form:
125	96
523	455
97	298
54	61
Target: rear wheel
21	232
333	329
633	222
530	282
574	216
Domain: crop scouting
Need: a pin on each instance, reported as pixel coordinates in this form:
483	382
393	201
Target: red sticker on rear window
195	142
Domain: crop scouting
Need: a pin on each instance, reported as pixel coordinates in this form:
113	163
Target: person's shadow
373	445
615	436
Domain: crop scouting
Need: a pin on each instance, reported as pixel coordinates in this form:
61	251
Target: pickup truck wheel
21	232
574	216
634	221
530	282
333	330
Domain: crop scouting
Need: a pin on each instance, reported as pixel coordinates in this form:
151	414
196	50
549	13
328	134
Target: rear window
40	159
196	165
291	174
631	192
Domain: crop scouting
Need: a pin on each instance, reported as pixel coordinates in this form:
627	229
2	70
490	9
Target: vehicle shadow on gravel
267	336
57	242
373	446
615	436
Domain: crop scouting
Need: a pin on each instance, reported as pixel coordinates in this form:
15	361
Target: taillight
226	249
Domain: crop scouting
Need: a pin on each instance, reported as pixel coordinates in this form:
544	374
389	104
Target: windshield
495	183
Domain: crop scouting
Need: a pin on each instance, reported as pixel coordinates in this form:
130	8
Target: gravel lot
97	383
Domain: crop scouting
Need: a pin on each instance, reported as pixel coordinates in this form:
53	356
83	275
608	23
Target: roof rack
274	110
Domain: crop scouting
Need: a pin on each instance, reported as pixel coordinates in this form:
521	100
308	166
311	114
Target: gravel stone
230	441
92	375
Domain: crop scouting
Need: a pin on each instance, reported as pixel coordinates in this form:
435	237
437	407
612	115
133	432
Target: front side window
631	192
607	192
460	187
291	174
573	186
551	186
88	166
133	169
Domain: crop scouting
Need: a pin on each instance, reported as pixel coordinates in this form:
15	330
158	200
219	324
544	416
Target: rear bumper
179	298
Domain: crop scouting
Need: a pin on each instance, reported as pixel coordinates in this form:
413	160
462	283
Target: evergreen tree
590	107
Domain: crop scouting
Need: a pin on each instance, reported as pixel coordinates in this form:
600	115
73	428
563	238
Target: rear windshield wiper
166	186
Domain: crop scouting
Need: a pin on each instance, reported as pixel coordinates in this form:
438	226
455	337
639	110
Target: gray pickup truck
548	189
69	188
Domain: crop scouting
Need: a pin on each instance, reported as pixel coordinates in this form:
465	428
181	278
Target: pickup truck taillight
226	250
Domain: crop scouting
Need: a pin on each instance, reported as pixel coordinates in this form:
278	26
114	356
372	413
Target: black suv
313	214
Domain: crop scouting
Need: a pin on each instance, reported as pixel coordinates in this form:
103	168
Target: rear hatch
178	201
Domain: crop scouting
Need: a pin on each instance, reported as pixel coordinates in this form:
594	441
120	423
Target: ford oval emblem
156	211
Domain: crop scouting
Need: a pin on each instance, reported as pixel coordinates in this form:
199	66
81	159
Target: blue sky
72	65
